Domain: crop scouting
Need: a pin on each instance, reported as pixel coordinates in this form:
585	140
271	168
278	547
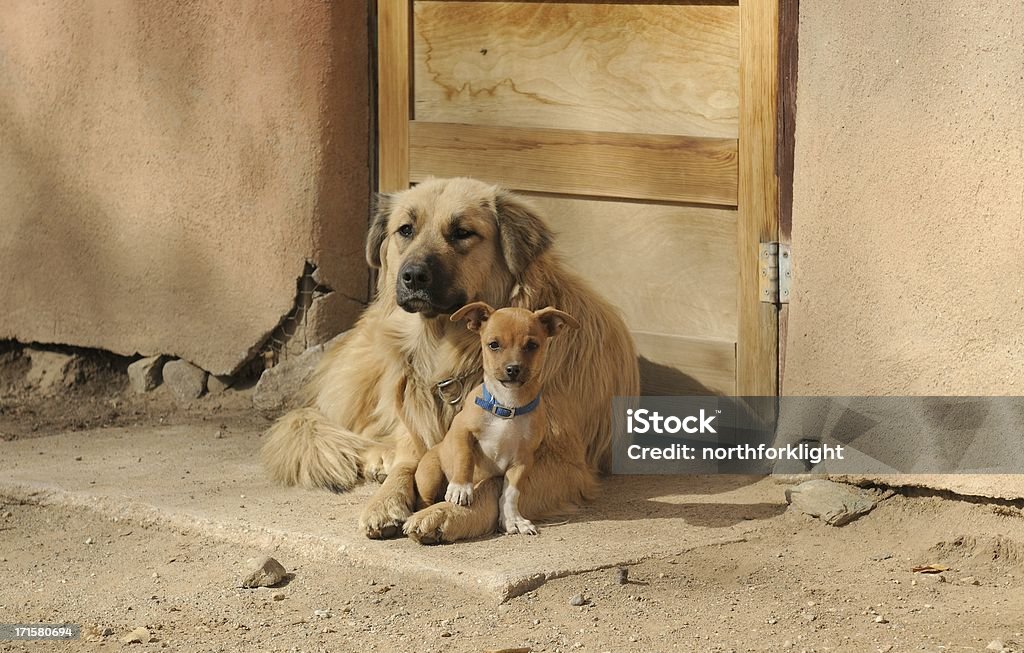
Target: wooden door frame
757	344
789	28
761	326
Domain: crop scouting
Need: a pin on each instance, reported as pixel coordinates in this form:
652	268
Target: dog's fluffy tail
303	448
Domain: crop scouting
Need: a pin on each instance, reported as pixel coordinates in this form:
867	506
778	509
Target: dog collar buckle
450	390
502	412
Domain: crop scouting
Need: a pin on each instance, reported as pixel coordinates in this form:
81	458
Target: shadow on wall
661	380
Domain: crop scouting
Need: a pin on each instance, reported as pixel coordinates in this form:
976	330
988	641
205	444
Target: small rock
835	503
578	600
321	614
218	384
969	580
138	636
278	596
277	387
994	645
89	540
106	631
881	556
266	572
187	381
622	575
881	620
145	374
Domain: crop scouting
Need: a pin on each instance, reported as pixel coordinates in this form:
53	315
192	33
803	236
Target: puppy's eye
530	345
462	233
493	345
405	231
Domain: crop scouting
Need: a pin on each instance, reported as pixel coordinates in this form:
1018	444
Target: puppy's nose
512	371
415	276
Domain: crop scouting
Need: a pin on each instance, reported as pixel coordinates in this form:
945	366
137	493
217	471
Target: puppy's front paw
459	493
517	524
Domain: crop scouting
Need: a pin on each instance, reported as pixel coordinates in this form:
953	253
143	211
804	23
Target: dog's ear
524	235
474	314
378	233
554	320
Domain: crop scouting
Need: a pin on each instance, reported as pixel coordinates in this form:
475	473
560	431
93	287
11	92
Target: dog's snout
512	371
415	276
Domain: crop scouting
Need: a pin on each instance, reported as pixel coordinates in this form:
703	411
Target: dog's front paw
517	524
383	517
459	493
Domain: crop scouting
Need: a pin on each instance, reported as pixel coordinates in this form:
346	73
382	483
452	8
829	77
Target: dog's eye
493	345
405	231
462	233
530	345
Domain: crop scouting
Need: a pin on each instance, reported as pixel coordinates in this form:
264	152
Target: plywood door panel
642	166
622	117
669	269
598	67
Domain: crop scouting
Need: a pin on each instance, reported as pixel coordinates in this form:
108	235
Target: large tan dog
390	390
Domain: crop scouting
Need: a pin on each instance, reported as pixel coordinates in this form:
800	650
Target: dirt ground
792	584
796	584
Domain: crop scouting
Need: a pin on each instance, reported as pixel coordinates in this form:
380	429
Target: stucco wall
908	210
166	169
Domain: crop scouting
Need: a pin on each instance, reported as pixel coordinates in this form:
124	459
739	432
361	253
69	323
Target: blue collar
491	405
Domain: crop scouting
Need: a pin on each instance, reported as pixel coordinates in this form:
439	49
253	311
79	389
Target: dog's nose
512	371
415	276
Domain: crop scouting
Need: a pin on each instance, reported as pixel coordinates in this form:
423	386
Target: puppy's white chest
501	439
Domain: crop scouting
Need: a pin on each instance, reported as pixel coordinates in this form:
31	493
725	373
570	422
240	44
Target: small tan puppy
498	433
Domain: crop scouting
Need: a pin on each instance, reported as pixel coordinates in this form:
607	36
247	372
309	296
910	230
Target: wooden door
644	131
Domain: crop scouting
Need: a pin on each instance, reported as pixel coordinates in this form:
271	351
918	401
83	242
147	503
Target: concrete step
194	478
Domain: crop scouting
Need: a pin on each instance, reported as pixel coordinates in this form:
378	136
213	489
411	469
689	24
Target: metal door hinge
775	265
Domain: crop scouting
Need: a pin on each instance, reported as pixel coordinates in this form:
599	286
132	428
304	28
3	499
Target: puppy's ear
378	233
474	314
524	235
555	320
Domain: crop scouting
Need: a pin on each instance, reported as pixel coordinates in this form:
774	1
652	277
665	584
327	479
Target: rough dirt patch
98	394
